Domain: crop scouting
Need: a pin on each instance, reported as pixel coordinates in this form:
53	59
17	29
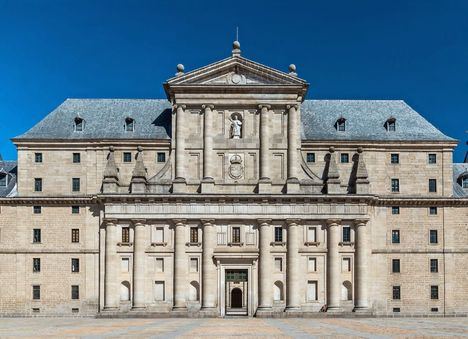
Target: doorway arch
236	298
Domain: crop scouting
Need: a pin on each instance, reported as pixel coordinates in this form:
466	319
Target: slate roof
365	120
459	169
9	168
104	119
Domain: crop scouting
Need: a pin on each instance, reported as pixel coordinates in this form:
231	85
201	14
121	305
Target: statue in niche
236	126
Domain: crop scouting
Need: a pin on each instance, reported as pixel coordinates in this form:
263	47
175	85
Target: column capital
205	106
292	106
361	222
176	106
333	222
293	222
110	222
138	222
261	106
206	222
179	222
264	222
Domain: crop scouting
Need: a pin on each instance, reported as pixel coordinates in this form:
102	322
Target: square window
194	234
432	185
432	158
75	265
433	236
76	158
396	293
36	265
161	157
346	265
310	157
193	265
37	209
36	235
75	292
36	292
434	309
395	236
312	264
75	310
394	158
344	158
36	310
434	265
346	234
75	209
125	265
395	265
38	157
395	210
279	264
396	310
75	235
75	184
278	234
395	185
434	292
127	157
37	184
125	235
236	235
159	265
432	210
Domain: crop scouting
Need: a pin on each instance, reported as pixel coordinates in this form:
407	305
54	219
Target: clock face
236	78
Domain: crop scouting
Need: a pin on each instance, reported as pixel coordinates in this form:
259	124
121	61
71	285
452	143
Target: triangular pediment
236	71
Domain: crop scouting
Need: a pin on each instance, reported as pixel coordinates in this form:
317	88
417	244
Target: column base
293	186
110	308
264	186
334	309
138	308
209	312
365	310
179	185
292	309
207	185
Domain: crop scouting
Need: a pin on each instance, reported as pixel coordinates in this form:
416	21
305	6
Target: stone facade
227	199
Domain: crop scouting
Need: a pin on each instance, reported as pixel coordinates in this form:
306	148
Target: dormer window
129	125
464	181
340	124
79	124
390	124
3	180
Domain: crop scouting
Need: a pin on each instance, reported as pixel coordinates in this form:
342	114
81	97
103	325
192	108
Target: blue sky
55	49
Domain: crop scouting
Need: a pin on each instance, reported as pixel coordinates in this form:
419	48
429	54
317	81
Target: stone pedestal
264	186
207	185
293	186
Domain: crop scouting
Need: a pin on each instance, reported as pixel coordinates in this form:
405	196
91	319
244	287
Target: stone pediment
236	71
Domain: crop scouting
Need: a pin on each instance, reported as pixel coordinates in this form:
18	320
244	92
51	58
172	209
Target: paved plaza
244	327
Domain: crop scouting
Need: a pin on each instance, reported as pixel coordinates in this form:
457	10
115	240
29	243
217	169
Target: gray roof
365	119
8	168
105	119
459	169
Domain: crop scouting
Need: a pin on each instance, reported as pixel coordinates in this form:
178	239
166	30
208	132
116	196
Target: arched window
340	124
79	124
390	124
278	294
129	124
125	291
194	294
347	290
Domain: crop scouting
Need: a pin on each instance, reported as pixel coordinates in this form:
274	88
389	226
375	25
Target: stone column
209	272
293	142
180	266
333	267
361	266
264	143
265	267
180	142
111	284
293	274
139	258
208	143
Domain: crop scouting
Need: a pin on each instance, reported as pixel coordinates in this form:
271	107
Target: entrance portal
236	296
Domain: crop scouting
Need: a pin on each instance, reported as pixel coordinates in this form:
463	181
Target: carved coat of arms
236	170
